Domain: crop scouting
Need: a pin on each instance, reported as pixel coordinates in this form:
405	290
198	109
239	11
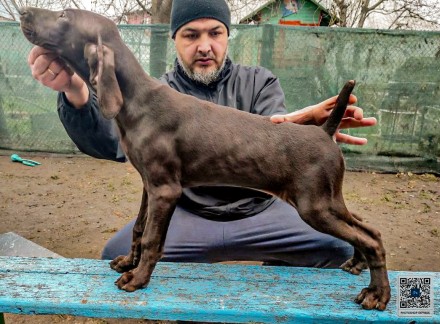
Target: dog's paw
354	266
374	297
131	281
123	264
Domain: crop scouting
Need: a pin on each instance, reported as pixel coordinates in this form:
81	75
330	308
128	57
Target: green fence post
158	50
267	46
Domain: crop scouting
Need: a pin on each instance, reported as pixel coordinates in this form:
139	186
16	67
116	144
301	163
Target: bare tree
160	11
391	14
9	8
353	13
241	8
416	14
120	10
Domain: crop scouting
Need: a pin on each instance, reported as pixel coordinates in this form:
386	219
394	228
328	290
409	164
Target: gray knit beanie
184	11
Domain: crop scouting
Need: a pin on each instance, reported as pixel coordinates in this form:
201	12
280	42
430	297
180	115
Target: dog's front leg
125	263
161	204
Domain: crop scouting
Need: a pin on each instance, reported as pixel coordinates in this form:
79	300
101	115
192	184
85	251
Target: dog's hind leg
124	263
334	219
358	262
370	245
161	204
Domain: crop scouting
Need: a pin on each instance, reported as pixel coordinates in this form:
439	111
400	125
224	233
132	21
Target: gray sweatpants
277	235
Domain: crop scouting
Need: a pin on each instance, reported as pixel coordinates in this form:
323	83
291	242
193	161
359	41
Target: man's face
201	49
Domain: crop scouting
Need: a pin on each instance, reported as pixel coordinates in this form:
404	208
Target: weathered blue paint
194	292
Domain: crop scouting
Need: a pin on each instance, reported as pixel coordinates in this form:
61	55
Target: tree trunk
161	11
364	13
343	14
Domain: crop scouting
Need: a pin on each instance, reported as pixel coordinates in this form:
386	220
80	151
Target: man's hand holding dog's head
52	72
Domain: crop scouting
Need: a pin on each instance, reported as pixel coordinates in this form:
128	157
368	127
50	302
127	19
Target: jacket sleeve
269	96
92	134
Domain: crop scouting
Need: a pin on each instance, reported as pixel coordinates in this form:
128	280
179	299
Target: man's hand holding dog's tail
318	114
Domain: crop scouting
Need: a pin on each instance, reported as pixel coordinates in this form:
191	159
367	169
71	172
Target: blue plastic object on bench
194	292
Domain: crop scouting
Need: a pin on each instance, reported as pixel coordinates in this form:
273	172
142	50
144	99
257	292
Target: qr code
416	296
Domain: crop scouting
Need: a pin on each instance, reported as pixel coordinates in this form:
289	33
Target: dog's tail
333	121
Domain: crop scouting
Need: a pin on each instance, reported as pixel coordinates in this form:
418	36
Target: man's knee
327	252
107	253
333	253
119	244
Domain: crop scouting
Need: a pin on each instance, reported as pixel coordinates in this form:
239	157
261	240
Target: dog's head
74	35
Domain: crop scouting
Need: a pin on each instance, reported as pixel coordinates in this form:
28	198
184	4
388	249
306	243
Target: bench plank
193	292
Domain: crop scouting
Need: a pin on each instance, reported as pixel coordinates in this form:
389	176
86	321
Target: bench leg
2	319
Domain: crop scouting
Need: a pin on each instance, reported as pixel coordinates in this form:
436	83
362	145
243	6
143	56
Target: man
219	223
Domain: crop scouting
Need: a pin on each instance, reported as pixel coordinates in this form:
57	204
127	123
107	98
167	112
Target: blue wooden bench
194	292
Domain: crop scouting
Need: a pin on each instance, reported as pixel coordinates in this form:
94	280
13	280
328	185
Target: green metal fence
397	73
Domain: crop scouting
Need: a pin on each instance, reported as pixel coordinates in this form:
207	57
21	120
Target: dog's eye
62	14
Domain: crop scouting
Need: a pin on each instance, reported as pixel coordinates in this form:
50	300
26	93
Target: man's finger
355	123
35	52
331	102
60	82
278	119
352	99
348	139
42	62
355	112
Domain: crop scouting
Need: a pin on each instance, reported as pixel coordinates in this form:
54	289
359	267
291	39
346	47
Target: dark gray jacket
252	89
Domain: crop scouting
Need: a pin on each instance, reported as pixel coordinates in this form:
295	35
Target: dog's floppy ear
101	62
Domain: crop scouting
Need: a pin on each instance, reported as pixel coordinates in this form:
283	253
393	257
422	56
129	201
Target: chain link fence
397	74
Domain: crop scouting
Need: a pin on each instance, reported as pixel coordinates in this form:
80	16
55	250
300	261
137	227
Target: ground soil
73	204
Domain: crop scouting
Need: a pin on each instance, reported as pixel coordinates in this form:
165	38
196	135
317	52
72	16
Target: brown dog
175	141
